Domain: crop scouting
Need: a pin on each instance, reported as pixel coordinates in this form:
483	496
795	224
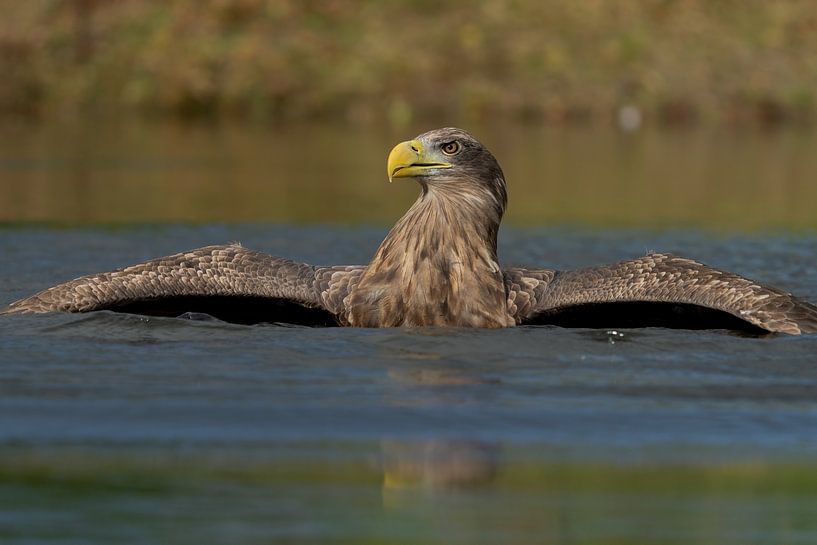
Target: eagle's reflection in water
430	466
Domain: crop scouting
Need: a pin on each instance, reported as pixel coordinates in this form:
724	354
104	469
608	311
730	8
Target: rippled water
118	428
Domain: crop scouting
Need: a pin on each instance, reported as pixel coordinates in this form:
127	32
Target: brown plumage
437	267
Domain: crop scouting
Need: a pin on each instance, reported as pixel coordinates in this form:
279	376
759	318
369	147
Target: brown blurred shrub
551	60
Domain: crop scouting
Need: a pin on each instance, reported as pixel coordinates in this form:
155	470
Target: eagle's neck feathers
438	264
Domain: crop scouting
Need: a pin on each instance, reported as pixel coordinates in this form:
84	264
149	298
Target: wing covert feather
225	271
667	278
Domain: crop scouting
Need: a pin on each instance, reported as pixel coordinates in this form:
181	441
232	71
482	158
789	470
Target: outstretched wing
229	282
658	289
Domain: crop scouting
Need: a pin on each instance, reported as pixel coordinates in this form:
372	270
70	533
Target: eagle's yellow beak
409	159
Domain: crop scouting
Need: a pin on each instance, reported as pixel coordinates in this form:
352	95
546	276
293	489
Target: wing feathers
335	284
228	273
664	278
217	271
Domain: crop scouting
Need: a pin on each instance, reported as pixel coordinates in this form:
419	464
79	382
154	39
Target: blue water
120	428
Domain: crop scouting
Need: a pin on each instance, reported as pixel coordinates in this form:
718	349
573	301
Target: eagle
437	266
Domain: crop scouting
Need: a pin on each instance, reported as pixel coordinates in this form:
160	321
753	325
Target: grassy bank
553	61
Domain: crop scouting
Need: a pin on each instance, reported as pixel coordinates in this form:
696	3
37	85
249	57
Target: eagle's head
450	161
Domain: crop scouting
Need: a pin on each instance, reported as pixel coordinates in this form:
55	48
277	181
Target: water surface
123	429
126	429
732	180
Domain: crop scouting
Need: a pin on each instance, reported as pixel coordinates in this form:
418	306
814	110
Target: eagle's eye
451	148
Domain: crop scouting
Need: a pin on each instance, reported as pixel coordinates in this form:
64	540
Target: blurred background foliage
677	61
630	113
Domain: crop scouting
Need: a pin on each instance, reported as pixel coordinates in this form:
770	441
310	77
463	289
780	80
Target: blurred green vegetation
167	495
164	469
676	61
